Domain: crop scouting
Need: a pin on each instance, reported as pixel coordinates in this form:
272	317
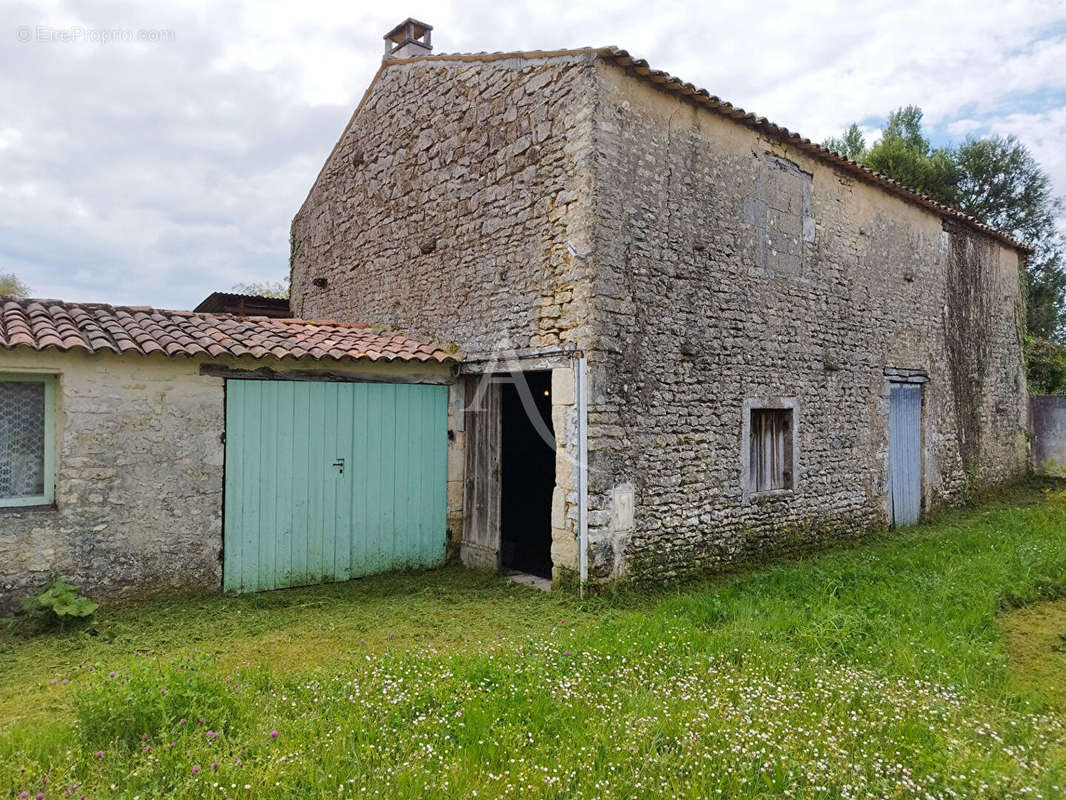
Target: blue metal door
329	481
905	454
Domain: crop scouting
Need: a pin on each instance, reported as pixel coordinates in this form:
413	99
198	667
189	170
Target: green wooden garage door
330	481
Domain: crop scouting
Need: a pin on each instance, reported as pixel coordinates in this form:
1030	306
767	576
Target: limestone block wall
139	474
564	527
447	207
138	497
728	267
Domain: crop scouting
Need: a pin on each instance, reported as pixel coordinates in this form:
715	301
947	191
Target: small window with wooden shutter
770	464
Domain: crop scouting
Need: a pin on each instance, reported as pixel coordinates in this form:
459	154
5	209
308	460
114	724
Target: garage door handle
339	464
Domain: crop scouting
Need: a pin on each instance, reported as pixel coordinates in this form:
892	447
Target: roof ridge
101	306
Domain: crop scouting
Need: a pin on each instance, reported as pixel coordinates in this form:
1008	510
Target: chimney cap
410	34
409	29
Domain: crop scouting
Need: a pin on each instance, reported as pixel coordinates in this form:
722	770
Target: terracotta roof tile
95	327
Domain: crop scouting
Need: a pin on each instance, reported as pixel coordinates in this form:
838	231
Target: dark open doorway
527	475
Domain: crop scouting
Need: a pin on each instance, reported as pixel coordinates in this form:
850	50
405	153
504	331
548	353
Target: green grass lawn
921	664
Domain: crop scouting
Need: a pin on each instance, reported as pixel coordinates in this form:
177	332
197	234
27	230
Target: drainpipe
581	390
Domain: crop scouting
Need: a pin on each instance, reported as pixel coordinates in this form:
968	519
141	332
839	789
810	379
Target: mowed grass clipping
879	670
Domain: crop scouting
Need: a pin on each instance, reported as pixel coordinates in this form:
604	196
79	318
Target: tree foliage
277	289
905	154
995	179
11	285
1046	366
851	143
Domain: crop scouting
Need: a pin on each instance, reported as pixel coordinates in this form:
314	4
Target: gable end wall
447	206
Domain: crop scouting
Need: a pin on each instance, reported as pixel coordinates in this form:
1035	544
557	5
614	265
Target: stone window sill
771	495
14	511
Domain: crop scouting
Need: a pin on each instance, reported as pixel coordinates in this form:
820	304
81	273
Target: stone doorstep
532	581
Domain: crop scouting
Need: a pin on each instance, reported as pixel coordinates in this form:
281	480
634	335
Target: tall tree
852	144
904	153
12	286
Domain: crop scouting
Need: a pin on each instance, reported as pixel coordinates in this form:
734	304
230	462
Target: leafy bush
1045	366
153	698
56	605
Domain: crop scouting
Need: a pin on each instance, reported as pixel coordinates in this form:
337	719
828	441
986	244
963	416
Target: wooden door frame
481	544
895	376
480	548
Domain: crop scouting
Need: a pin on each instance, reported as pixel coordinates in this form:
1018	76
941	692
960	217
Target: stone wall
138	480
731	267
447	206
139	474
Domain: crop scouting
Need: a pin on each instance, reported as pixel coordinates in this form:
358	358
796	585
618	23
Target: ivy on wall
969	319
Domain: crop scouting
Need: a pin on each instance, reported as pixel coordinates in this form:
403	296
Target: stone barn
741	341
674	336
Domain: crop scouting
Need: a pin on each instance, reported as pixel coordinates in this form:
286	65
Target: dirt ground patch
1036	648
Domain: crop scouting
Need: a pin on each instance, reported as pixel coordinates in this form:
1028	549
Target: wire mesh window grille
22	439
770	455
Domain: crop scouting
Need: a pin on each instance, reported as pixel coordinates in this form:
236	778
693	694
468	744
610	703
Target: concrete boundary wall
1047	414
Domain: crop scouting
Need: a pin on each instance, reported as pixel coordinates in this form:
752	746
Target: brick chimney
408	39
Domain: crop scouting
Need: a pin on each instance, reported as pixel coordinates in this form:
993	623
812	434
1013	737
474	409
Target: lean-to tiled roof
96	328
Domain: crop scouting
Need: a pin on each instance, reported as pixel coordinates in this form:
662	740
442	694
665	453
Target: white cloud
156	173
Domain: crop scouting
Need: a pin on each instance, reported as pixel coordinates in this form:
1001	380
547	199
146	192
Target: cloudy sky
158	171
